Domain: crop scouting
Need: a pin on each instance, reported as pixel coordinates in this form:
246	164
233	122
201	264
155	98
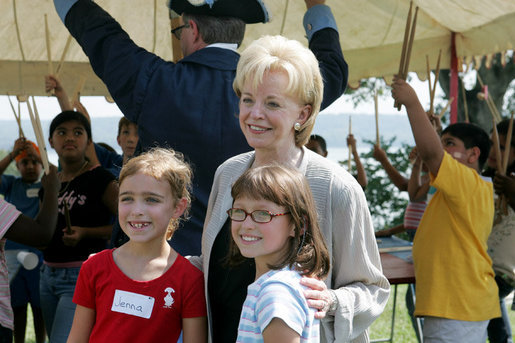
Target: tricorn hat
250	11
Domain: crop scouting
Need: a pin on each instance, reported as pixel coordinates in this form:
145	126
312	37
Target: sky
99	107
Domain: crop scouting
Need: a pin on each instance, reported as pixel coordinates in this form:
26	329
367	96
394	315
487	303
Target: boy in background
127	138
22	192
456	290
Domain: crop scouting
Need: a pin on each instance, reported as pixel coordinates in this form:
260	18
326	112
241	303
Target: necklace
74	176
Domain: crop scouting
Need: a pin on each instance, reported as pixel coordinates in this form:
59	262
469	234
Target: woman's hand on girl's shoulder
318	296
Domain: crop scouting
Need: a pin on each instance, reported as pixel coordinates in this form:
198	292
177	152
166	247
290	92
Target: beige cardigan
356	275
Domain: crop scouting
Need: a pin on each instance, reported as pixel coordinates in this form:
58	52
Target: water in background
334	128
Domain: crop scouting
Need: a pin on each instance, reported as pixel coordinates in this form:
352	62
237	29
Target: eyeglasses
258	216
177	31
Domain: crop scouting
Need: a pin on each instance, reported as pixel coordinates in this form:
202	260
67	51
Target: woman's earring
296	126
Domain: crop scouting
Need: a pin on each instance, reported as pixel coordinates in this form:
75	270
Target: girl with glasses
274	222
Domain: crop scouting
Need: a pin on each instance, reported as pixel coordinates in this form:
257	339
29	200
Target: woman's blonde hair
164	165
307	252
277	53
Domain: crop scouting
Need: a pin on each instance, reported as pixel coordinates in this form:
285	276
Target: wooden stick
406	50
437	74
378	142
405	41
465	107
63	55
48	48
410	44
489	101
507	145
442	112
67	217
349	162
78	89
42	146
39	138
497	149
17	116
428	70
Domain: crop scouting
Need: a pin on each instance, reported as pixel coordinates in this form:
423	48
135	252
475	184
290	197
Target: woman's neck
290	156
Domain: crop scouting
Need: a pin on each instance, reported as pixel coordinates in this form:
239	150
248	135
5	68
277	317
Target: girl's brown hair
165	165
307	252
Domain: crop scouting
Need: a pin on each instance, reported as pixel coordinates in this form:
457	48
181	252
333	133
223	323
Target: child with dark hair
127	136
22	229
87	200
22	192
274	221
456	290
501	242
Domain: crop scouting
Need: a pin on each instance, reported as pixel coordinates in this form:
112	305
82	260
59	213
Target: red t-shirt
139	311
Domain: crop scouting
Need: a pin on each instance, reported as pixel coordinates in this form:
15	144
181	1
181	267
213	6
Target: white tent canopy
371	33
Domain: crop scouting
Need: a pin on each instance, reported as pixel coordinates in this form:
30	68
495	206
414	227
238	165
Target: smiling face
267	243
267	114
145	207
70	140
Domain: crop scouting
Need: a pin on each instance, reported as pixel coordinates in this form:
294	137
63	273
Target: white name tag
32	192
132	303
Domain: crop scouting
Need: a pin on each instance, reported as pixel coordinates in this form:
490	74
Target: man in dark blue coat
190	106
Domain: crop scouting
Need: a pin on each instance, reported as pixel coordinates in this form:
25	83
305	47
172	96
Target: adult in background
280	89
190	106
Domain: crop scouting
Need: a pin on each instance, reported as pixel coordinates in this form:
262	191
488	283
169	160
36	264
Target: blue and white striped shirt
277	294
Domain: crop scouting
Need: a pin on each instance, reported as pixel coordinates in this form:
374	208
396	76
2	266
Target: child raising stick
274	222
144	283
456	290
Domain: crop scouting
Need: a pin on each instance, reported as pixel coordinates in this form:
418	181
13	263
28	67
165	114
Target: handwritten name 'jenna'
127	305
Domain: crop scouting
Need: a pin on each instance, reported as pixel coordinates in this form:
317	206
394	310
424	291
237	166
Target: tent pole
454	80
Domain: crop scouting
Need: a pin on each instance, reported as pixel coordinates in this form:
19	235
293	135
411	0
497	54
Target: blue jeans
56	291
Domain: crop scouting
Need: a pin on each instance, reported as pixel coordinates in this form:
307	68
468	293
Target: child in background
456	290
22	192
127	136
417	187
22	229
501	242
144	291
317	144
361	175
89	193
273	221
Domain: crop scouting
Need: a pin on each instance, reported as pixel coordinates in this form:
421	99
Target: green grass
403	331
